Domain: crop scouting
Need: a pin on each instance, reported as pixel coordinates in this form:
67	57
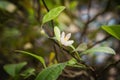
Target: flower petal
67	37
62	41
62	38
68	43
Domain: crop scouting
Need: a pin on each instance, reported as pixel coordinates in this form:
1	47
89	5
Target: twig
101	12
89	67
36	6
54	45
55	49
55	41
73	74
38	10
88	11
87	23
106	38
67	51
106	68
45	5
48	11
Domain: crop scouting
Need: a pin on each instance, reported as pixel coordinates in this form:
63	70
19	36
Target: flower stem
77	54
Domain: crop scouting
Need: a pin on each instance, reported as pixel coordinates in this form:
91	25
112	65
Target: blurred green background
20	22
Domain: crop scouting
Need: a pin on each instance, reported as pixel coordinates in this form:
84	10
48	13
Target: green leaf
35	56
100	49
53	14
52	72
28	72
81	47
113	30
14	69
72	61
57	33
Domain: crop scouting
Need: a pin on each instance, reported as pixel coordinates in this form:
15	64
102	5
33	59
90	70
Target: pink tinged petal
67	37
68	43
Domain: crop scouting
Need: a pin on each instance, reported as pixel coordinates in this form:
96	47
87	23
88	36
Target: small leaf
51	73
72	62
100	49
57	33
35	56
14	69
53	14
28	72
81	47
113	30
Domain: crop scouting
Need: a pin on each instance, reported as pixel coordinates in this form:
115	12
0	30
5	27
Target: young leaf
81	47
113	30
53	14
52	72
57	33
14	69
35	56
100	49
28	72
72	61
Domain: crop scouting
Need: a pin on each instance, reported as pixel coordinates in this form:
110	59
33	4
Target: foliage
14	69
28	72
52	72
25	29
100	49
114	30
52	14
33	55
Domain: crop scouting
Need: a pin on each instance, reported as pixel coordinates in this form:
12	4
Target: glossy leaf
113	30
52	72
33	55
100	49
14	69
53	14
57	33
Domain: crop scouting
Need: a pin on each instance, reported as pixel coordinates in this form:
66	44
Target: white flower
65	39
